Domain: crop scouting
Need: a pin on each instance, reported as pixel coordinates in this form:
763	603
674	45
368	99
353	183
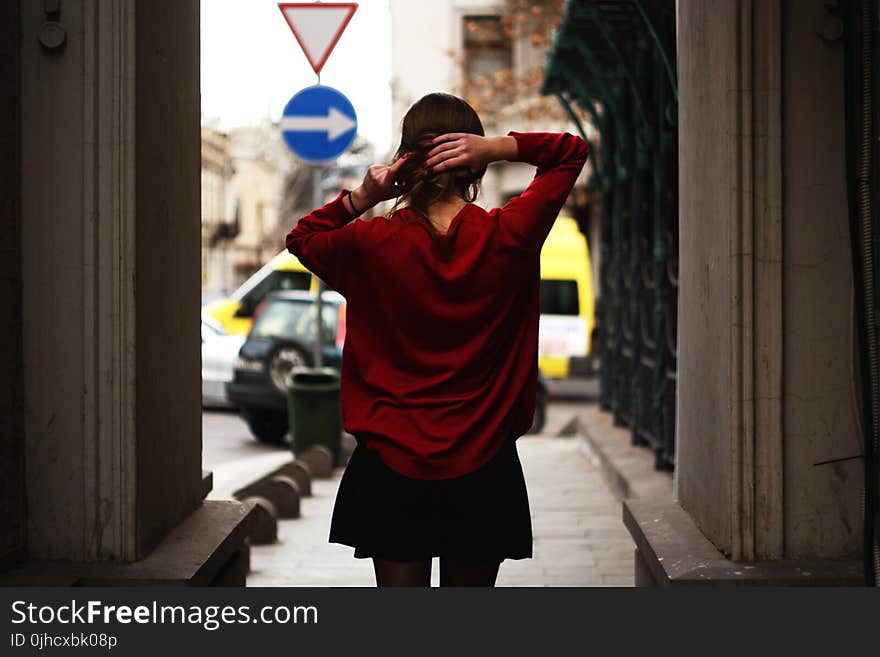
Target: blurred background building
244	174
218	224
489	52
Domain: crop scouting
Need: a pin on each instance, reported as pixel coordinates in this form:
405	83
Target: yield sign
317	27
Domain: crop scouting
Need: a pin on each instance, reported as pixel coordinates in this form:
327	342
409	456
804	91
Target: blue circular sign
319	123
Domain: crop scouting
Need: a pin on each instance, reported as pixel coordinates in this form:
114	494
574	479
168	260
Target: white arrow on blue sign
319	123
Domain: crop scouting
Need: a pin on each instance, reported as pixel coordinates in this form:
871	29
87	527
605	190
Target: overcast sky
252	65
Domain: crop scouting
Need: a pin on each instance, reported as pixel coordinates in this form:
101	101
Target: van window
559	297
277	280
293	280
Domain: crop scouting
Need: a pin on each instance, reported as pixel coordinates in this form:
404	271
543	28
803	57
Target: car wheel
269	428
282	362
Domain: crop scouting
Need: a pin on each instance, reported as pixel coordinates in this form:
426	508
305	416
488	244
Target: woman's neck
442	211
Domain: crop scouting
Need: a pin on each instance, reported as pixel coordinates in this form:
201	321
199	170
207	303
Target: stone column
765	383
79	282
730	303
823	472
110	255
767	395
13	523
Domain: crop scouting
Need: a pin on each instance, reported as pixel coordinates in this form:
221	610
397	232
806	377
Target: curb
627	470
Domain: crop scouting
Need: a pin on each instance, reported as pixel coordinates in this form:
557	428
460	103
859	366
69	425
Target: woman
440	365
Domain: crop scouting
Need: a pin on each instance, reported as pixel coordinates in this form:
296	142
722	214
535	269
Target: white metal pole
317	202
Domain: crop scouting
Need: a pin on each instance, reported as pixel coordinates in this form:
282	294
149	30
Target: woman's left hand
378	185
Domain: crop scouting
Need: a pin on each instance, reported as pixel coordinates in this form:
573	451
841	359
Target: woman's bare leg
402	573
462	573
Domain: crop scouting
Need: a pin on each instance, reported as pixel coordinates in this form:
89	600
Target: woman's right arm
559	157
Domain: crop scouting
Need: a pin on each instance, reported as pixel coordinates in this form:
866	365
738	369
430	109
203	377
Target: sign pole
317	202
318	123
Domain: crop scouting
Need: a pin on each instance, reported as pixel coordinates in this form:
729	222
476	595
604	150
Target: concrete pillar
823	474
729	59
110	276
78	272
13	523
168	273
765	365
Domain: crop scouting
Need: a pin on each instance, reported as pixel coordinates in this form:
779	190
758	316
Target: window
559	297
294	280
277	280
487	53
295	320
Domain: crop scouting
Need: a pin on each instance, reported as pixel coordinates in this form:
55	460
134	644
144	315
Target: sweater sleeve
325	241
559	157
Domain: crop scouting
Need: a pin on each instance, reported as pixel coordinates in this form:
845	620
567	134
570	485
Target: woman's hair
434	115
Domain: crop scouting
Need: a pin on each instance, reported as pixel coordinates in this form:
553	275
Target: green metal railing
614	59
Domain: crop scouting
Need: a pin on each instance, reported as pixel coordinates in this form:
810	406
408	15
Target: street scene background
254	188
708	399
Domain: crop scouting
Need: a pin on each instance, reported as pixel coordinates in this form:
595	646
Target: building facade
244	172
478	49
217	216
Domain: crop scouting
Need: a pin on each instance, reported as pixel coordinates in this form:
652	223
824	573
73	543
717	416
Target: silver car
219	351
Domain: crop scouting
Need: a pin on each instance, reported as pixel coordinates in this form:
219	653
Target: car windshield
295	320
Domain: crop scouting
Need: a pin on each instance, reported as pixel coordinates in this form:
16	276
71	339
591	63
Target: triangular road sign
317	27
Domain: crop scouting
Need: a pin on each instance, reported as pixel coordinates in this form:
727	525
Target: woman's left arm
325	240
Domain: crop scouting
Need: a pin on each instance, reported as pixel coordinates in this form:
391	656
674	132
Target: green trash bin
313	409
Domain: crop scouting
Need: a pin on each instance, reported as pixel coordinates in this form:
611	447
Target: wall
216	208
421	36
254	185
706	50
61	316
110	277
13	536
169	457
766	387
822	512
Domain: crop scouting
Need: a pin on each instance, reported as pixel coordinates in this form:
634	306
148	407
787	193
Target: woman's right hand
463	149
378	185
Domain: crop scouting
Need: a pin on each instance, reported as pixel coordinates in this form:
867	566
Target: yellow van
567	319
283	272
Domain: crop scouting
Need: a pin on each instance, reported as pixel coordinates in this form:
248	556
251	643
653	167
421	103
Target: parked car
219	351
282	337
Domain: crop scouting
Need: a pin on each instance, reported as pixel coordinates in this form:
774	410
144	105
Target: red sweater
440	363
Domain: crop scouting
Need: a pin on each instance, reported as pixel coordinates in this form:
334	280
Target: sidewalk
579	537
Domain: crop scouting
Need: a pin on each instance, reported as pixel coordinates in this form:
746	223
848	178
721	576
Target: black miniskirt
481	516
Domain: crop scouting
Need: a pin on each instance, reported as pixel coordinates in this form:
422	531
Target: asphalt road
226	440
